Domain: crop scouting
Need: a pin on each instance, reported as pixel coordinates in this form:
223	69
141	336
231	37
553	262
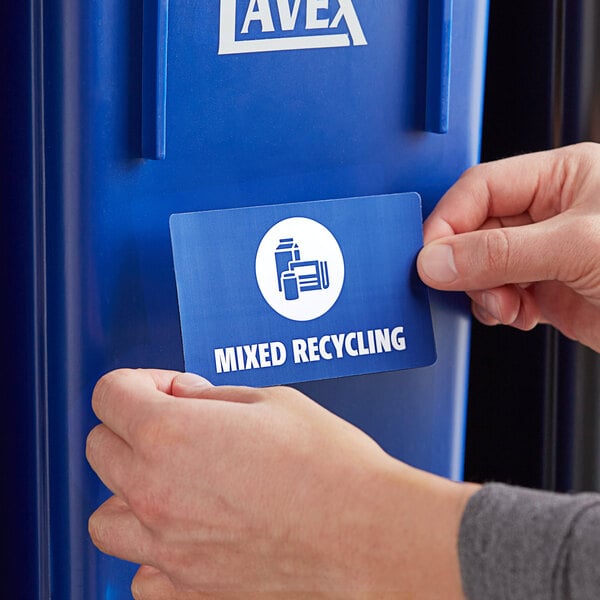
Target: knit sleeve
516	543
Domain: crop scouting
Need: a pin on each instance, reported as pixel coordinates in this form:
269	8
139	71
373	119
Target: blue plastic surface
439	52
154	78
242	129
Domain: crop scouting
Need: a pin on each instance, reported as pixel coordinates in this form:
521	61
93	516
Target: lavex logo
271	25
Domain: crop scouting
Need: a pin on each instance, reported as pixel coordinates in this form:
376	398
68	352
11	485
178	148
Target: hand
231	492
522	237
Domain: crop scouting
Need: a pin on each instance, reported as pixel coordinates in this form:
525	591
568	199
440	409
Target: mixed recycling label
297	292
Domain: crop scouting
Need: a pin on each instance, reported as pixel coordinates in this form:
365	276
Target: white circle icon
299	269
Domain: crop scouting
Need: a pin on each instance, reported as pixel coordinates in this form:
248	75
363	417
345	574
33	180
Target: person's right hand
522	237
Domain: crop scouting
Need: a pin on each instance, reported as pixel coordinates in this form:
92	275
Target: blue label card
297	292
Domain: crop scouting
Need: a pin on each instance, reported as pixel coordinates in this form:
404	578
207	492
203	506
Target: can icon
289	282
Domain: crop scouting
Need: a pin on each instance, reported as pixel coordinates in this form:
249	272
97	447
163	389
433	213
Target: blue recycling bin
146	108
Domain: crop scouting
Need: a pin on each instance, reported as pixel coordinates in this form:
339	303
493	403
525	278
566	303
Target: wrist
416	518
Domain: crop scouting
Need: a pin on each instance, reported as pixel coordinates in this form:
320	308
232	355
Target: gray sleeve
519	544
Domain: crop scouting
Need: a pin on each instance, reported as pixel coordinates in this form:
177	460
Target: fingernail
191	380
490	303
483	316
437	262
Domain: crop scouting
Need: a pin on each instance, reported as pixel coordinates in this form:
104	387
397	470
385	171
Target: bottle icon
286	252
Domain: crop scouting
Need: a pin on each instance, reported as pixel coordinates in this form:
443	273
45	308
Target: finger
151	584
483	316
529	315
532	184
190	385
115	530
575	316
500	304
121	397
512	221
110	457
496	257
509	305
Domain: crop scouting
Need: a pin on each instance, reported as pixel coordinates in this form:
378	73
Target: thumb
190	385
491	258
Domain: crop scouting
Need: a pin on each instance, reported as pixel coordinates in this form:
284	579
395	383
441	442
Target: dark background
534	401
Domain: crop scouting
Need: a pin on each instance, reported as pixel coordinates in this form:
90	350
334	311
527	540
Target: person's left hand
231	492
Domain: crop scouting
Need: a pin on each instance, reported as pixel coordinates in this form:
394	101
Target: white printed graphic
299	269
258	15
